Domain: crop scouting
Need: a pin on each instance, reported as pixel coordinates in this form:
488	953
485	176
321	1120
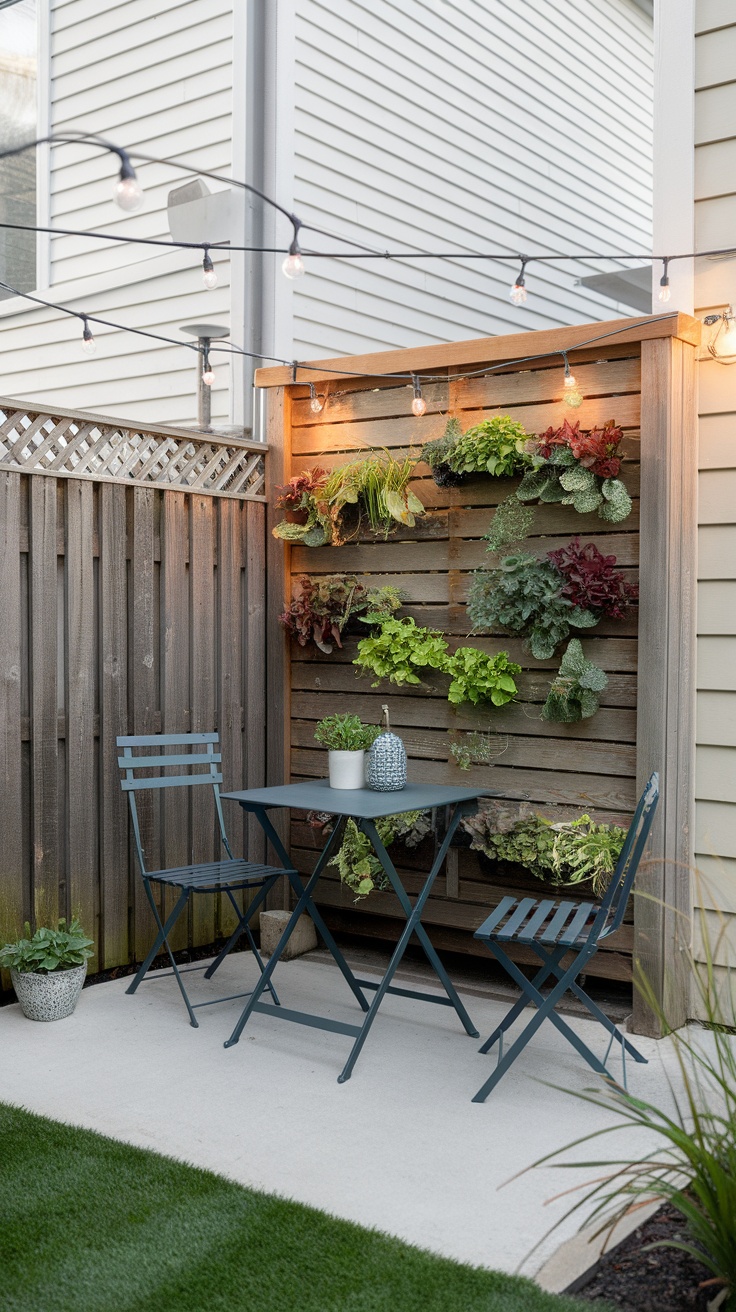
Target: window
18	122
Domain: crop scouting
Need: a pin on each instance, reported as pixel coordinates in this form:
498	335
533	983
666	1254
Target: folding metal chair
227	876
553	930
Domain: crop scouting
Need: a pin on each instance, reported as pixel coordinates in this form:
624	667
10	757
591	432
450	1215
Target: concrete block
273	924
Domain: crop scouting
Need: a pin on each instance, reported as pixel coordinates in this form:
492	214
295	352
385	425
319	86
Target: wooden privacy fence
639	374
132	596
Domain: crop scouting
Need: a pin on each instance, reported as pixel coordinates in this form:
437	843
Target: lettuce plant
399	650
476	677
494	446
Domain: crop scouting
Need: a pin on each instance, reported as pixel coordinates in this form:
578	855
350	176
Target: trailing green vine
357	863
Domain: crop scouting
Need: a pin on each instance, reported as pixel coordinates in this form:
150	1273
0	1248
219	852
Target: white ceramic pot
347	769
48	995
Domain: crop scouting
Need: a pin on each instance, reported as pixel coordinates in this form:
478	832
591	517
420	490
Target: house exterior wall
472	118
443	123
715	288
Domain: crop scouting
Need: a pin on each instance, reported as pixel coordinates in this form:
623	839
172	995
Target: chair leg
515	1011
240	927
251	943
607	1023
162	937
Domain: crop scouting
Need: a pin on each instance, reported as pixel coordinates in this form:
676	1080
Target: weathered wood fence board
563	769
125	610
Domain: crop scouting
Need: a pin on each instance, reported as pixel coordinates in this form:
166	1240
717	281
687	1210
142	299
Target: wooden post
278	700
666	693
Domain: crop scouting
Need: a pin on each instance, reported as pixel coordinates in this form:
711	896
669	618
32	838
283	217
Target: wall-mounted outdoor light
722	345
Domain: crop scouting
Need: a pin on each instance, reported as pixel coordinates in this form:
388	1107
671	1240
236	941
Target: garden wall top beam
482	350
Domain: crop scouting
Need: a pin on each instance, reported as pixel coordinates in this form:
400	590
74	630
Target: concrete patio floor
399	1147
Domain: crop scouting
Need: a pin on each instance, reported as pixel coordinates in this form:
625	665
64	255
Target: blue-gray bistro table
364	806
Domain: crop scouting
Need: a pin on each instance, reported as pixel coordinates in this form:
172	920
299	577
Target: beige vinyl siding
472	125
715	222
156	74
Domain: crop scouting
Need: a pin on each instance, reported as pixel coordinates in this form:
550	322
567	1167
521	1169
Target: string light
518	291
89	345
722	345
418	405
571	395
209	277
664	283
293	265
127	191
315	405
208	373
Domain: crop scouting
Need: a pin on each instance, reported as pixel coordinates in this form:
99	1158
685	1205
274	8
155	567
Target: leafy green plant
48	949
557	852
345	733
578	469
574	691
399	650
494	446
378	487
322	606
693	1163
437	454
512	522
356	861
476	677
308	516
525	596
476	748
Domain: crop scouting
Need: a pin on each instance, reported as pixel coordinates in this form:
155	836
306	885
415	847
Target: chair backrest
138	764
613	905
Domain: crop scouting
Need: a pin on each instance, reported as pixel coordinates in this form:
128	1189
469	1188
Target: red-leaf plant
320	608
591	581
596	448
301	490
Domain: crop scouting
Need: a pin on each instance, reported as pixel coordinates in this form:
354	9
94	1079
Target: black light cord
232	348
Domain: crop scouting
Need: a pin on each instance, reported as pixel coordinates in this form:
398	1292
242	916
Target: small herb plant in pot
48	969
347	739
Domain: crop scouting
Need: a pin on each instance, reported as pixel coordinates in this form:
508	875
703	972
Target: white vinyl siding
715	214
156	75
469	125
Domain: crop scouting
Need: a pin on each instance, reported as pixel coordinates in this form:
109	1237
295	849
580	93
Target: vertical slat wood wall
124	610
563	769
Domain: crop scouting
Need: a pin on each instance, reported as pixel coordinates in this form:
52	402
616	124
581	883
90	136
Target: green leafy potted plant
574	693
347	739
48	969
578	468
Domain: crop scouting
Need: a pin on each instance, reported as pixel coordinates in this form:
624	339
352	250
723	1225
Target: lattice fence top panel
87	446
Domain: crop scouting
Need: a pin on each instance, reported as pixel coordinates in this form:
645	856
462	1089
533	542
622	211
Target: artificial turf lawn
91	1225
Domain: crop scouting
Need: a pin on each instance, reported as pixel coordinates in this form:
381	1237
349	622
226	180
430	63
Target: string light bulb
127	191
664	292
571	395
315	404
208	373
89	345
418	405
518	292
722	345
209	277
293	266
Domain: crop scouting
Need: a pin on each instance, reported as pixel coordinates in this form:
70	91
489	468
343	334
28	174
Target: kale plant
525	596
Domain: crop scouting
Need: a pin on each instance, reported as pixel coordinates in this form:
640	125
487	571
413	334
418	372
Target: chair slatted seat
140	755
555	931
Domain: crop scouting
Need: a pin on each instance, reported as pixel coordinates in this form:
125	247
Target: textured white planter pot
48	995
347	769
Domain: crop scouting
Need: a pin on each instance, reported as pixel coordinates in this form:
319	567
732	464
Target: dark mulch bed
662	1280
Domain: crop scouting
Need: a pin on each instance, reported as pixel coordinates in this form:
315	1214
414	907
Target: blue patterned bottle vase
385	770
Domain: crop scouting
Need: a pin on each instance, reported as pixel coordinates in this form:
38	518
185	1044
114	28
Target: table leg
304	901
413	925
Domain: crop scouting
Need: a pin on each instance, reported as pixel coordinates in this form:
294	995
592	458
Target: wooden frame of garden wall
638	372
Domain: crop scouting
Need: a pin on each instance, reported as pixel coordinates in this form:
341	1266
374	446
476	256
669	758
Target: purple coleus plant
591	581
